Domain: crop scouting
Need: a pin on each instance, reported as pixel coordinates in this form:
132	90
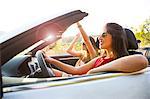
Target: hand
79	25
48	59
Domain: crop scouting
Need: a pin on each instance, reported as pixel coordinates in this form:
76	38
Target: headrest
132	42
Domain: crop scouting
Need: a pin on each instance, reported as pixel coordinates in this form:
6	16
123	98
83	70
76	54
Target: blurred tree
143	32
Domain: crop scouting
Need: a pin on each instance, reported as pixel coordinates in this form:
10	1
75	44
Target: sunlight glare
50	37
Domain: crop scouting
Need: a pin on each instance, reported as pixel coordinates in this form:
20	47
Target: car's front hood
56	26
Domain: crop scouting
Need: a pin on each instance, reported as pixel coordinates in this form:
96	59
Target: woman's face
105	40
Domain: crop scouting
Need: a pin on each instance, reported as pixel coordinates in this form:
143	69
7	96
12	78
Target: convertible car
25	74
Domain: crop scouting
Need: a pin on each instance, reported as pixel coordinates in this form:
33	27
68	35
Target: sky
21	13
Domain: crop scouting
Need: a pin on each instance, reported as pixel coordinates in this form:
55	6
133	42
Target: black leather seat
132	42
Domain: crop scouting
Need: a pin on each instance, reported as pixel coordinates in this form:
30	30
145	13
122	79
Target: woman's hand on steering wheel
47	58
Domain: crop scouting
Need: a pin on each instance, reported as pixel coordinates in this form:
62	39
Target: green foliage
58	48
143	32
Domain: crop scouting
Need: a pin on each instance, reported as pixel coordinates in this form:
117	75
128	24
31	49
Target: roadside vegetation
142	33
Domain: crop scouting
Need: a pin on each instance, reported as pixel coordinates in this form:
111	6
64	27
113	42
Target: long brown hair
119	40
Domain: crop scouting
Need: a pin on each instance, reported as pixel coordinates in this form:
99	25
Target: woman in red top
113	39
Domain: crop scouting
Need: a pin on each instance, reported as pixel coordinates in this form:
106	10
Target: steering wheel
45	70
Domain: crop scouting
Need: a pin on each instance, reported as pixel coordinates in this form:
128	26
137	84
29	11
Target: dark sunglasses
104	34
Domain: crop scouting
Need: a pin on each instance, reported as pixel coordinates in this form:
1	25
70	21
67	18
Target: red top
102	61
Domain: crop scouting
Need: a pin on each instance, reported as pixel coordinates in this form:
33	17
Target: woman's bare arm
70	49
71	69
130	63
88	44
